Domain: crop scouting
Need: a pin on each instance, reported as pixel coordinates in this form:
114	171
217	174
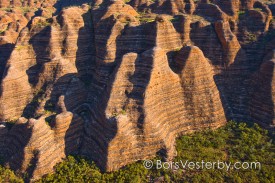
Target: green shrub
26	9
146	19
6	175
7	9
251	37
240	13
258	9
22	47
2	31
42	24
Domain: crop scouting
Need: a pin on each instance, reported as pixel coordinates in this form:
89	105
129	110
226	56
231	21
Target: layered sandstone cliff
119	82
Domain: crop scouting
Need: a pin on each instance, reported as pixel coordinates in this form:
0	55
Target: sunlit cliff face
118	82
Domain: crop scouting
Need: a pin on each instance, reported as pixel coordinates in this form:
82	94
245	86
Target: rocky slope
118	82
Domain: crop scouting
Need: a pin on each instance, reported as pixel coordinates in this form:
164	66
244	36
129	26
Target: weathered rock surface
230	43
119	82
262	102
36	148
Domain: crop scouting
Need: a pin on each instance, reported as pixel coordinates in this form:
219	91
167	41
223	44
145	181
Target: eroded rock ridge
118	82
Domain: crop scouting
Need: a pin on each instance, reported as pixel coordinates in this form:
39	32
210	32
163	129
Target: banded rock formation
262	104
36	148
119	82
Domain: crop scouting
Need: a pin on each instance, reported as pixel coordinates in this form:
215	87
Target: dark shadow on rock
272	8
85	55
60	87
141	75
90	137
234	85
40	43
5	52
162	153
33	73
19	137
32	166
205	37
30	109
99	130
261	97
171	61
129	42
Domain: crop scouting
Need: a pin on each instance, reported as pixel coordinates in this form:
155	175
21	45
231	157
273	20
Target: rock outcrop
230	43
201	96
262	104
119	82
36	148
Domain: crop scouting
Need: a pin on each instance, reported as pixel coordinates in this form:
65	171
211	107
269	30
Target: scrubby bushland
7	175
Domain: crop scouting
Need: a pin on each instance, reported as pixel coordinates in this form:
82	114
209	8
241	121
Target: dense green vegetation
6	175
232	143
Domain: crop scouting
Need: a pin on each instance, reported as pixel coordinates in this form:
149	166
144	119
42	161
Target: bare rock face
261	16
3	136
229	7
175	6
14	16
247	4
19	3
29	68
118	82
199	88
229	41
4	3
11	24
204	35
166	36
142	124
262	102
138	113
118	6
211	11
40	146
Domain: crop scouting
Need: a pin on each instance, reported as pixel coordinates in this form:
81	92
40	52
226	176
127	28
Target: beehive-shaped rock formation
201	96
118	82
36	148
29	67
262	106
